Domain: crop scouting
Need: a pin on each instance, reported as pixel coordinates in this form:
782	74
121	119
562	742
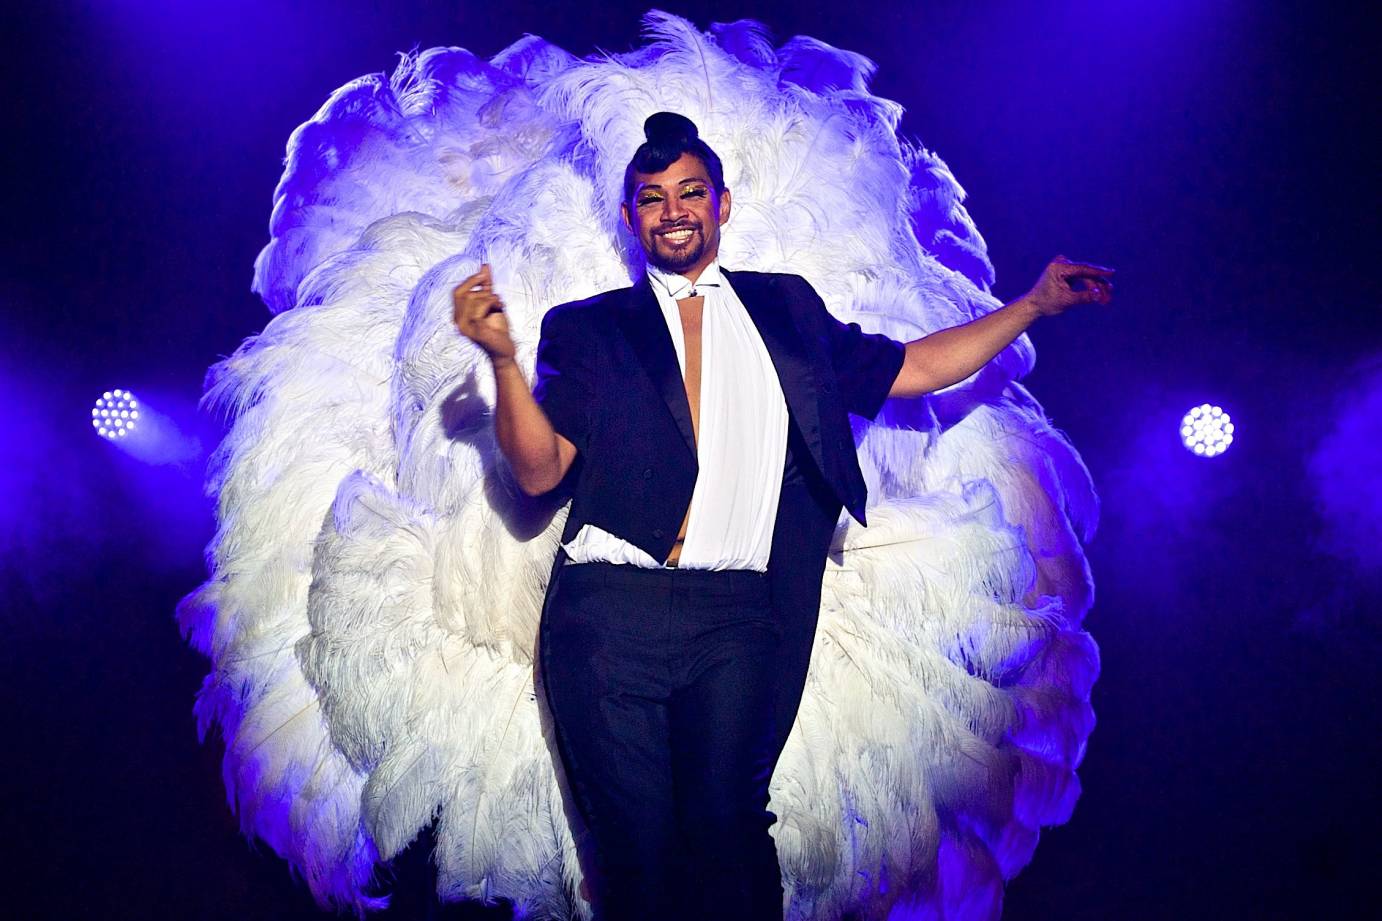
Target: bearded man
699	420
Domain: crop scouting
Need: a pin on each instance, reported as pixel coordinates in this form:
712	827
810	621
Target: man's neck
693	273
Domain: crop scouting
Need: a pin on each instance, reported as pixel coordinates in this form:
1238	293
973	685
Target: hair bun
665	127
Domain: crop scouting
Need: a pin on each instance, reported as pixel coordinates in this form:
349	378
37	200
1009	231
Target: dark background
1216	153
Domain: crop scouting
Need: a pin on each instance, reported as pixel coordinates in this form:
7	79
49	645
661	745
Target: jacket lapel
772	313
646	331
771	310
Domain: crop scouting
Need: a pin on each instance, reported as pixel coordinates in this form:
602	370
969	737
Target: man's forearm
524	433
948	356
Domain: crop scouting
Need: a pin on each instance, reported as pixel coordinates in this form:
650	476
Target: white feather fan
376	579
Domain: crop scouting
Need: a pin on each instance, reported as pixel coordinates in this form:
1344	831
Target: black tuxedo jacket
608	380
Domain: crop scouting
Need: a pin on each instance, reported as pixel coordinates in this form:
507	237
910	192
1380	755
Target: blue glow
1206	430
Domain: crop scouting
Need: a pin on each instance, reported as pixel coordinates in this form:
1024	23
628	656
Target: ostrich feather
376	578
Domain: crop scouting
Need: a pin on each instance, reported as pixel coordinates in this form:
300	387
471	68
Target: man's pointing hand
479	315
1063	284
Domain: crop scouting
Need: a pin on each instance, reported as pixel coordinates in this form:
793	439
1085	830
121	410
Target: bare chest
691	310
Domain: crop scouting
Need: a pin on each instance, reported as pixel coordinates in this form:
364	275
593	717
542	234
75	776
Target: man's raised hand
479	315
1064	283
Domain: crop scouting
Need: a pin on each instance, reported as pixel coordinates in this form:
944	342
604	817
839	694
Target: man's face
677	216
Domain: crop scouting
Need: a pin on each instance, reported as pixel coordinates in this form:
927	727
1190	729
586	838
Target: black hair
670	135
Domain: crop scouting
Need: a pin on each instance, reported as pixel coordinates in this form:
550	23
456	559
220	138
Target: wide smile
679	237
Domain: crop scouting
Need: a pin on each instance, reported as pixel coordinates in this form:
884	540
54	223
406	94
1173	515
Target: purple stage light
115	415
1206	430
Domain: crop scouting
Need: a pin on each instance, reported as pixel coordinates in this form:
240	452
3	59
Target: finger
1081	281
470	282
480	281
1073	280
474	309
1088	268
463	296
482	305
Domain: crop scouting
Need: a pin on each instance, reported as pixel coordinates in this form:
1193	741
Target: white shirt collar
678	287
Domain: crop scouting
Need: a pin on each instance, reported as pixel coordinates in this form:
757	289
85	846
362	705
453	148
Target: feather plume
376	579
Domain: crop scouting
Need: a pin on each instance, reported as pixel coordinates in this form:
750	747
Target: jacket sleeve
565	376
866	364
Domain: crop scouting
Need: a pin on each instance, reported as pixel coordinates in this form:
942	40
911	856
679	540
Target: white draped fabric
741	443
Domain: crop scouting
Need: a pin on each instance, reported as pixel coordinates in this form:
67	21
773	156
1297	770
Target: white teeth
678	236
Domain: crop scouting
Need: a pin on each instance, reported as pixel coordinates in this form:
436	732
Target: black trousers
661	688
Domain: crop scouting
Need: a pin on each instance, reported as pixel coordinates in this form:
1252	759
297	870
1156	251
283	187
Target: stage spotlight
1206	430
115	415
144	429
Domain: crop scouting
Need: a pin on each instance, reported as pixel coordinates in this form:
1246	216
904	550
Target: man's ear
624	213
724	206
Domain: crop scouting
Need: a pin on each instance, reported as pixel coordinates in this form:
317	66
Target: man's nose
672	208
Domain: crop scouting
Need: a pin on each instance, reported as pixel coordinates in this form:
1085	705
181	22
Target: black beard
678	261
